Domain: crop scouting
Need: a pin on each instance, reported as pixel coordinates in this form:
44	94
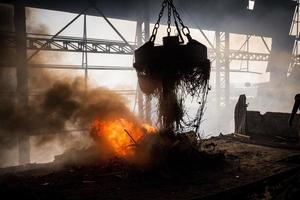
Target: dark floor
249	171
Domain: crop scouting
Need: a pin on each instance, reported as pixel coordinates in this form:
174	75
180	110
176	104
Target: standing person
294	111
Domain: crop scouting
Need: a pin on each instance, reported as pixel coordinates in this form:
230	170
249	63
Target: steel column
295	61
84	53
227	70
146	38
22	75
222	75
140	97
218	71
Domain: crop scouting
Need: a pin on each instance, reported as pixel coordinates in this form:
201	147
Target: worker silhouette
296	107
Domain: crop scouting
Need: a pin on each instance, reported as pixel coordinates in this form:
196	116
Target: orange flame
149	128
120	134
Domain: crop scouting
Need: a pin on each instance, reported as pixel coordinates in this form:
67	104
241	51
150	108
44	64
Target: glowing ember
120	134
149	128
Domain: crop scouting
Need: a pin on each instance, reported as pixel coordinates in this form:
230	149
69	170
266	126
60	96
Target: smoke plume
59	111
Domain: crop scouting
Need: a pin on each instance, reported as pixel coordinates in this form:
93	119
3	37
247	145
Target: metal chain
185	29
169	18
156	26
177	27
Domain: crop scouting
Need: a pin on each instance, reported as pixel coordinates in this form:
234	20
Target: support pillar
146	38
24	149
222	78
218	70
227	71
84	53
140	98
22	75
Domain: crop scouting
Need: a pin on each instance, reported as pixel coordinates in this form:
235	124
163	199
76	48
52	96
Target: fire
149	128
121	135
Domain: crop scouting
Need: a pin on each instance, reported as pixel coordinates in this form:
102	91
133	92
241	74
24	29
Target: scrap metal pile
173	71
